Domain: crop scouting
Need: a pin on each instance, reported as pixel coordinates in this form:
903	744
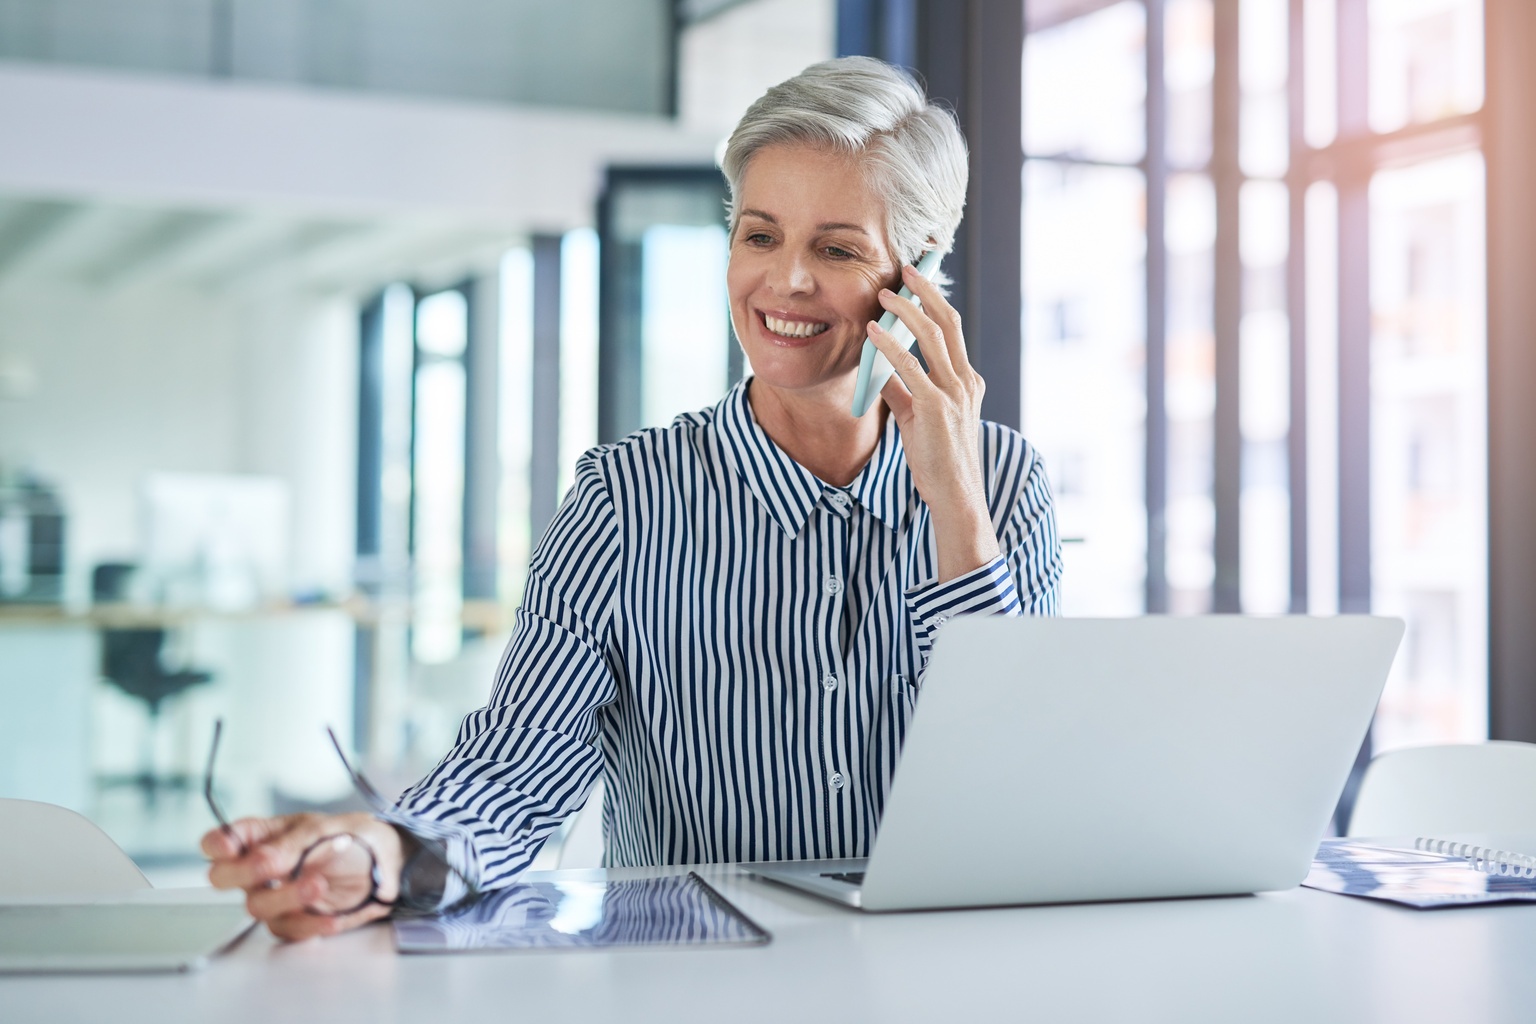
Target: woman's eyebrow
829	226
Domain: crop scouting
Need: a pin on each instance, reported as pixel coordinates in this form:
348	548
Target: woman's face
808	257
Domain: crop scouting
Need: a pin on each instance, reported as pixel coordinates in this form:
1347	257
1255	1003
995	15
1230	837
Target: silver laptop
1066	760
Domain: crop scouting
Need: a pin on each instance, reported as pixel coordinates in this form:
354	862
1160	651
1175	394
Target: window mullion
1156	168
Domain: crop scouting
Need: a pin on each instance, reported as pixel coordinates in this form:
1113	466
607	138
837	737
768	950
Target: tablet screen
678	910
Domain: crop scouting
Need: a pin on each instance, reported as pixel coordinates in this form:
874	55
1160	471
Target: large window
1254	303
1084	288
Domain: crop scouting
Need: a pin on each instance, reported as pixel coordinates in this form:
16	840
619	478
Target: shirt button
829	683
838	782
833	586
839	501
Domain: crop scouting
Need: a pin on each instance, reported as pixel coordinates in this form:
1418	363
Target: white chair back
1467	787
47	850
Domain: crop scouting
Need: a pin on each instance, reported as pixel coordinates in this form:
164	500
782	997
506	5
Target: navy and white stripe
734	645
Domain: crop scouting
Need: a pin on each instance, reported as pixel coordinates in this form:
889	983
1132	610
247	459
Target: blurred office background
307	309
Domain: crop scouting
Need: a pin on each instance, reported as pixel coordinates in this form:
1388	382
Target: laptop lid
1059	760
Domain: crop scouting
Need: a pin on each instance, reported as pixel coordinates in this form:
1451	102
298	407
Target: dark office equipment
38	575
110	581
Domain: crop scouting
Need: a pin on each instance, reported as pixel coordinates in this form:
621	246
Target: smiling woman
730	617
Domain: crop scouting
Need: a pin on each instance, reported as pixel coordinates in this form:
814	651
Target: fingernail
886	291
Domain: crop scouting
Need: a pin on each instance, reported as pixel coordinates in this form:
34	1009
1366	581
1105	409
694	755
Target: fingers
929	337
907	366
285	898
937	307
898	399
296	927
218	846
320	888
274	846
250	831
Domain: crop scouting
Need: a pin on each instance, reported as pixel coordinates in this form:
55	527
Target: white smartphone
874	368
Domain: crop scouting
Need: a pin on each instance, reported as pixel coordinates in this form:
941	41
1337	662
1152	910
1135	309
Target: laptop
1068	760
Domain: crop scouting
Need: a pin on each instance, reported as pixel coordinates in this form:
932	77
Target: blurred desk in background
483	616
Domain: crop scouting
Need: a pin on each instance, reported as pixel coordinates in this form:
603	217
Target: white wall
163	379
123	384
729	60
297	393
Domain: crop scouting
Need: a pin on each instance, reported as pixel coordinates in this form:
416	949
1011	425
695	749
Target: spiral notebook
1428	872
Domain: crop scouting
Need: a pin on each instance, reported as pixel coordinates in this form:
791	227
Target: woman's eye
837	253
759	238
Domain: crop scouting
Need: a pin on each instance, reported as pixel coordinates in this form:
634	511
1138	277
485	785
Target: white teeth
793	328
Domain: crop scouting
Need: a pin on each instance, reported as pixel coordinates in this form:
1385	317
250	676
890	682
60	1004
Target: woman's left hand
939	413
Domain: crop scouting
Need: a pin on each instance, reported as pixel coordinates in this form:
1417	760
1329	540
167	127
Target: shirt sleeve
1024	579
529	758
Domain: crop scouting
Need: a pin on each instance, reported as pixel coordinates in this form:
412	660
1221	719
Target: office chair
1438	790
130	660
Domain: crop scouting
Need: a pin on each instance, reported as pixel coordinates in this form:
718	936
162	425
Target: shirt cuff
989	590
428	893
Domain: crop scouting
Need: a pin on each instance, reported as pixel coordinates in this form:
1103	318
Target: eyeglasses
344	860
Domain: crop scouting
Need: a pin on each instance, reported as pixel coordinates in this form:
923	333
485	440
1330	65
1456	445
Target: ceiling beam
187	142
26	225
77	242
155	242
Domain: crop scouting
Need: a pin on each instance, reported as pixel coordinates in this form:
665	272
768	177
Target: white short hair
912	149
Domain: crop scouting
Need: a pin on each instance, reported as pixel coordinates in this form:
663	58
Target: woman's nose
791	275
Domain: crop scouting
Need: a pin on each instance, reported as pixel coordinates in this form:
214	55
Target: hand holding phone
874	368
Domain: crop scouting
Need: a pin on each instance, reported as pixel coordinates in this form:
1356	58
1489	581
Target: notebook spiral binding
1482	858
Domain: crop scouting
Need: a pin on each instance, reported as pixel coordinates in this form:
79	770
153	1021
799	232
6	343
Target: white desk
1299	956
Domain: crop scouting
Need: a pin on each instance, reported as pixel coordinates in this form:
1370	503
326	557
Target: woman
729	617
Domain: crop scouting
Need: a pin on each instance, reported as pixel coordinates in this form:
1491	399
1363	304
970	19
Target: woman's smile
791	327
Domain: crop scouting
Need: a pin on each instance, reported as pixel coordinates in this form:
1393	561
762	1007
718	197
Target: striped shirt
734	645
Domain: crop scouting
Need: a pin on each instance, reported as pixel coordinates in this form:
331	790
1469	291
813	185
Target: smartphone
874	368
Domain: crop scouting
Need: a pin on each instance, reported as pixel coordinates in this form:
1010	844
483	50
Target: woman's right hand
337	872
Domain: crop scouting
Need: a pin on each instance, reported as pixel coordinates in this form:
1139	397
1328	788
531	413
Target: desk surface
1293	956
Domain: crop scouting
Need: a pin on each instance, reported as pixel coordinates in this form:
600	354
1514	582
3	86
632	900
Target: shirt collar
788	490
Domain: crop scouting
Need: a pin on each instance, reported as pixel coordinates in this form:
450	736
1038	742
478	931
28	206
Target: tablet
677	910
88	937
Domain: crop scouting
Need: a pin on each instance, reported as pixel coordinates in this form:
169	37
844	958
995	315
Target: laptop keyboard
851	877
